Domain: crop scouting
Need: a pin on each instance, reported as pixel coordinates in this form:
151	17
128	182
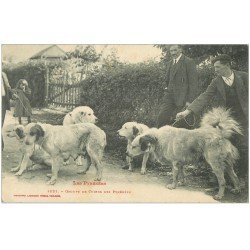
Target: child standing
22	94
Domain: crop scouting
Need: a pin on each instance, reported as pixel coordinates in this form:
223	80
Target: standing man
181	88
230	88
6	92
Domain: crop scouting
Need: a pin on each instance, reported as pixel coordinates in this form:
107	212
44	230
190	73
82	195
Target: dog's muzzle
27	143
118	134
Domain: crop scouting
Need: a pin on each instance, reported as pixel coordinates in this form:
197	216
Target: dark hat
224	59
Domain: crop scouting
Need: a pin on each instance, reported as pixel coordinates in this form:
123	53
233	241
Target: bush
129	92
206	74
34	72
124	93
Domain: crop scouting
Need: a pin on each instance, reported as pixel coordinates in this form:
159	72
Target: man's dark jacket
182	82
216	90
7	89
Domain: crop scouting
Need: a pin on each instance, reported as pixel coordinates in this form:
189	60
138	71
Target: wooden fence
64	95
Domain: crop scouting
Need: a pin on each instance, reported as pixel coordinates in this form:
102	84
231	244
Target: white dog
130	130
63	142
182	146
80	114
30	154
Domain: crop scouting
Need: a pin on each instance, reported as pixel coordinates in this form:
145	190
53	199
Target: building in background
51	53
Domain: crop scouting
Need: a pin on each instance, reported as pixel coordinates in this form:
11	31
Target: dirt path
118	185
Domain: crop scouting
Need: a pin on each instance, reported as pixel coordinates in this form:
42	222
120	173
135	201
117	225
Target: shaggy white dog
80	114
63	142
32	157
130	130
182	146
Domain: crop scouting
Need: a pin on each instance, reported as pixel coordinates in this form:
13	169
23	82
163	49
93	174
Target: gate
62	94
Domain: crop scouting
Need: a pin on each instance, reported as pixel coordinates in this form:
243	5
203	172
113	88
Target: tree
111	60
238	53
83	57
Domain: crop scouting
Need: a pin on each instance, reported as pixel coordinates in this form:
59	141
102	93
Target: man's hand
183	114
15	96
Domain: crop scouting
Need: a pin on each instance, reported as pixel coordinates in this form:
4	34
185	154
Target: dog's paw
30	168
131	169
218	197
51	182
65	163
98	178
81	172
14	169
235	190
211	190
125	167
171	186
181	183
49	175
19	173
79	163
143	171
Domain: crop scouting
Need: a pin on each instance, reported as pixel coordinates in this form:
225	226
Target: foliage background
34	72
120	92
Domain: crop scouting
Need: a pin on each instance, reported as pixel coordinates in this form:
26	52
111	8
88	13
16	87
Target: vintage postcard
124	123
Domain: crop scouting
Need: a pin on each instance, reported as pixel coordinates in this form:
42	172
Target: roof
52	51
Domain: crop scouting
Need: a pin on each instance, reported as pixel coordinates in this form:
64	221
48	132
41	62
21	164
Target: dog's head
143	143
130	130
17	131
83	114
33	133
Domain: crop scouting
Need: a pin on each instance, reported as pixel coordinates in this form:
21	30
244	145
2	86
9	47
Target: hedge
34	72
129	92
125	92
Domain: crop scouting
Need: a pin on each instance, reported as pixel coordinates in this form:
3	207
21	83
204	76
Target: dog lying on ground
182	146
130	130
63	142
31	155
80	114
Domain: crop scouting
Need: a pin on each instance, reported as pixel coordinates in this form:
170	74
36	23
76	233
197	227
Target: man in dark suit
181	87
230	90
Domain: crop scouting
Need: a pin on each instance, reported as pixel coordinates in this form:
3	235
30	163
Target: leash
184	118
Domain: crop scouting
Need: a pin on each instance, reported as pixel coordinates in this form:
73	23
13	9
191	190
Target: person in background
230	88
22	94
181	86
6	95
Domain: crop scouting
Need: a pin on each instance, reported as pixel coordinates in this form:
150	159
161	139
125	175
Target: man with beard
181	87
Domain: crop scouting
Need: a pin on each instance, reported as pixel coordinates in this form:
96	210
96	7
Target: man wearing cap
230	89
181	86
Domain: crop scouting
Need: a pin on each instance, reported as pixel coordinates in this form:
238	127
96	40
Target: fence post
46	86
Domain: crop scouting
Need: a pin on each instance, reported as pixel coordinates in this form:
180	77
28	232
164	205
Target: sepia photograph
160	123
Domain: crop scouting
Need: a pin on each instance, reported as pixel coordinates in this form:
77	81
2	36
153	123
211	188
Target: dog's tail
232	153
221	119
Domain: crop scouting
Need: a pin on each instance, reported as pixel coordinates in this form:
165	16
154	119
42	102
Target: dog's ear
146	141
20	133
135	131
38	131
